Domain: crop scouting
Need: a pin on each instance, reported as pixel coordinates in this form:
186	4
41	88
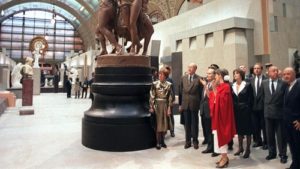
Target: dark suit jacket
204	105
190	93
291	106
258	100
273	104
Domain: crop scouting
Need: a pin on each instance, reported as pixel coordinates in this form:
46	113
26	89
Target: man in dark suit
291	109
258	119
189	101
273	90
204	110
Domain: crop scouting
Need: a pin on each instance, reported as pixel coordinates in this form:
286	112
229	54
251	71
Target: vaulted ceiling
82	14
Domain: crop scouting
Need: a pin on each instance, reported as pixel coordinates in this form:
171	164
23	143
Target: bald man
190	90
273	91
291	109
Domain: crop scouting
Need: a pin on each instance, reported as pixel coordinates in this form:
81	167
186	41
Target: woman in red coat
222	116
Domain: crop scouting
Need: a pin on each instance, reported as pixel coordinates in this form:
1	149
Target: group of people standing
262	108
79	86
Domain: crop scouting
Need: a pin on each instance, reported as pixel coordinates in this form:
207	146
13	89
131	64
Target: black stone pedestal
118	119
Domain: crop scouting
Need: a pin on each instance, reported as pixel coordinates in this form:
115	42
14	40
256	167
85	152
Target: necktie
191	78
257	84
272	87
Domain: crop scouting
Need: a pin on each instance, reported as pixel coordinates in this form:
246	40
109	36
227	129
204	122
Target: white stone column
36	81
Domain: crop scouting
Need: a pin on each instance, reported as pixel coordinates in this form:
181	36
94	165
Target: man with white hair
274	89
190	90
291	114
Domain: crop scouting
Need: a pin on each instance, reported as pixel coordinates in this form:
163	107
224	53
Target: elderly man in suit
190	90
273	89
258	119
291	109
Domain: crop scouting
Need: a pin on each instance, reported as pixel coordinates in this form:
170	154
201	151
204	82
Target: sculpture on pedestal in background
36	54
127	19
16	76
38	46
73	74
27	70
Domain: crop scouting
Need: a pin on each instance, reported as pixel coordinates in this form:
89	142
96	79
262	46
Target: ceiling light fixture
82	8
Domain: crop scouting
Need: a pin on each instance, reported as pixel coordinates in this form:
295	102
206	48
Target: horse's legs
135	9
106	15
147	33
102	42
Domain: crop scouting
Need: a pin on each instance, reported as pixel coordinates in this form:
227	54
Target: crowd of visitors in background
261	108
79	87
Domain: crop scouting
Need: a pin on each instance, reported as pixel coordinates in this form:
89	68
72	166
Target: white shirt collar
292	84
242	86
275	81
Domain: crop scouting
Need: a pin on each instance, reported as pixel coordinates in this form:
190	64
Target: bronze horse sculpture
126	19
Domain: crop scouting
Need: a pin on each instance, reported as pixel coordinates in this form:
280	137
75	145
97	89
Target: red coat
222	115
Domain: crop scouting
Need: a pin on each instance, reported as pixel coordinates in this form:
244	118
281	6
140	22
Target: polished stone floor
51	138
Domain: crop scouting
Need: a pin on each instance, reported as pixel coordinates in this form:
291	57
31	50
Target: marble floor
51	138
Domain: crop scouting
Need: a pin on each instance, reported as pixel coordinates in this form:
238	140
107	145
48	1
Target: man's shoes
172	133
163	145
270	157
187	145
265	147
207	151
283	159
196	146
259	144
215	154
204	142
158	146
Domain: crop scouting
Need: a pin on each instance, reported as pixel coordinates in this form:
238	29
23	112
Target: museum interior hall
149	84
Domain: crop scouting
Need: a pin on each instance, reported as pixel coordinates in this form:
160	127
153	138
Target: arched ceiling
82	14
40	6
76	11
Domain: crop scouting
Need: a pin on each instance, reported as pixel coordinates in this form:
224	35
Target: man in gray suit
291	108
273	90
204	110
190	90
258	119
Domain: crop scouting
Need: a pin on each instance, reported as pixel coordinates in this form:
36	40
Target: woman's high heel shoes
239	152
223	163
247	154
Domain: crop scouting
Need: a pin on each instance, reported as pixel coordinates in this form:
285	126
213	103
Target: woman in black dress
242	98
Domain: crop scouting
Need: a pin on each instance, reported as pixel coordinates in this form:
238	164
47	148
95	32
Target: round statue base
118	119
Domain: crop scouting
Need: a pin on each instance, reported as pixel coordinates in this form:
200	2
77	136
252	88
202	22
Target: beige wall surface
286	39
230	33
208	13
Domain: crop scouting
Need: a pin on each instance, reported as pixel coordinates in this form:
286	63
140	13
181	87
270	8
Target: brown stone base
112	60
26	110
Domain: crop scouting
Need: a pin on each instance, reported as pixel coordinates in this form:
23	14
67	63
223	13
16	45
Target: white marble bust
27	68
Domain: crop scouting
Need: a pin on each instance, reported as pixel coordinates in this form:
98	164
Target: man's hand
180	109
169	111
151	110
297	125
202	81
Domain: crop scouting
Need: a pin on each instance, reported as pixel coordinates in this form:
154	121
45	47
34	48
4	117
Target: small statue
16	76
73	74
27	70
